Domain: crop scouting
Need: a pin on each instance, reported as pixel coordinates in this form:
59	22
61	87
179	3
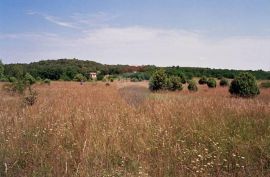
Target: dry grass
124	130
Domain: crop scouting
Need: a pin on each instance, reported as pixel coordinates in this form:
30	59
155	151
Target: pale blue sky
206	33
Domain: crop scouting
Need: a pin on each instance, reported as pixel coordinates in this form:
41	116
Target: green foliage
265	85
244	85
223	82
47	81
12	79
66	69
79	78
29	79
64	77
100	76
3	79
192	86
38	79
174	83
203	80
1	69
211	83
158	81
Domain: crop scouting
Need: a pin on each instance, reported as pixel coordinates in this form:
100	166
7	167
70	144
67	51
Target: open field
125	130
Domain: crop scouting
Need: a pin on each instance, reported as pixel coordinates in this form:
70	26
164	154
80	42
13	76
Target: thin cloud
54	20
141	45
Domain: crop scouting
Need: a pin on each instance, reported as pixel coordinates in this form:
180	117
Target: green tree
211	83
79	78
203	80
192	86
158	81
223	82
29	79
174	83
1	70
244	85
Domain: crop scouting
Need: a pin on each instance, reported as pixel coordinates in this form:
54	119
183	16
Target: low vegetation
265	85
125	130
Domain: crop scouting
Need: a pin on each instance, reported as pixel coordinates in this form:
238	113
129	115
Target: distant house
93	75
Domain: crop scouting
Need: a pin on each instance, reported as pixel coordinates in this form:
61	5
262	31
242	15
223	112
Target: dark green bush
223	82
203	80
158	81
244	85
211	83
192	86
174	83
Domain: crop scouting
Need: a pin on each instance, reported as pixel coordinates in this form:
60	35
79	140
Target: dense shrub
203	80
29	79
224	82
174	83
158	81
79	78
211	83
100	77
192	86
265	85
12	79
47	81
244	85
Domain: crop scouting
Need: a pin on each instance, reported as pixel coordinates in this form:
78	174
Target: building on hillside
93	75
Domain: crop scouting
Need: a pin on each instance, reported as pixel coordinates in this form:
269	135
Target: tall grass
94	130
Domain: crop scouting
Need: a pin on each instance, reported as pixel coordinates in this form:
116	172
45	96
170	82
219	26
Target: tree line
67	69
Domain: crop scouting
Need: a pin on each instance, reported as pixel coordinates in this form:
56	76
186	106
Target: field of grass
125	130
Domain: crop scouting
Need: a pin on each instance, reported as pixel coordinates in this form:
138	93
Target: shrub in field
12	79
158	81
3	79
79	78
134	79
192	86
244	85
174	83
224	82
30	99
265	85
111	80
107	84
211	83
29	79
203	80
47	81
183	78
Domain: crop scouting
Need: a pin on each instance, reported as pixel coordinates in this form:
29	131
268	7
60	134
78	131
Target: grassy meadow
125	130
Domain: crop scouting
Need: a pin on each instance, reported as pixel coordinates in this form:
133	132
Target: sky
233	34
